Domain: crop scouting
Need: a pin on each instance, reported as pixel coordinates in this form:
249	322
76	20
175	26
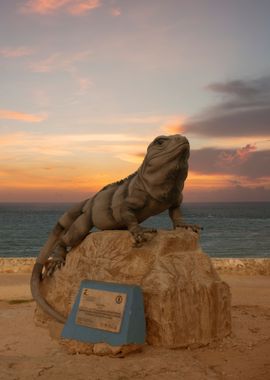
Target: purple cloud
244	110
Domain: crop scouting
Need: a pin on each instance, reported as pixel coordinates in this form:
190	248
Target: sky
87	84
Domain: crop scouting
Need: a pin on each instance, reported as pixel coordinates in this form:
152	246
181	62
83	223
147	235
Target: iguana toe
52	265
141	235
193	227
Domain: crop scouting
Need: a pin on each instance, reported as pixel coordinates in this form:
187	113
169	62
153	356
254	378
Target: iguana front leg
128	216
177	220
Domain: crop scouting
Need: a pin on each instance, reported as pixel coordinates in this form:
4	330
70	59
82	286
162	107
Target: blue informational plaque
107	312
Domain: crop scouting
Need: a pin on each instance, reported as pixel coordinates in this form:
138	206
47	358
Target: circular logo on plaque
118	299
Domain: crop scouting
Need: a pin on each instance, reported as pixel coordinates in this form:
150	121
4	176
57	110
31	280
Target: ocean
229	229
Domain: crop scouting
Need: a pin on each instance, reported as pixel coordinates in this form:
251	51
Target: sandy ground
27	351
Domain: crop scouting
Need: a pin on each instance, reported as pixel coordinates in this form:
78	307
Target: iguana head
165	166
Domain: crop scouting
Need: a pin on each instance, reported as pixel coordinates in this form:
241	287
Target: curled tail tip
34	284
35	278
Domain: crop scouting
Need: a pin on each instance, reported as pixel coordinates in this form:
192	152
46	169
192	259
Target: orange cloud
174	125
208	181
75	7
42	175
21	116
44	6
132	158
37	164
84	6
16	52
198	181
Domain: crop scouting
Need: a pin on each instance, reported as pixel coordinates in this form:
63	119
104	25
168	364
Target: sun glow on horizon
86	85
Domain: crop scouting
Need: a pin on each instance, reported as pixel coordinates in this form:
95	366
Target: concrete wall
223	266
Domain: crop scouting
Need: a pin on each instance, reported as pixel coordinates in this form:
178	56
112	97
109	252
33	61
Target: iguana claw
52	264
193	227
56	261
140	235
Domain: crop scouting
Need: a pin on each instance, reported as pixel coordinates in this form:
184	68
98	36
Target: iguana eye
159	141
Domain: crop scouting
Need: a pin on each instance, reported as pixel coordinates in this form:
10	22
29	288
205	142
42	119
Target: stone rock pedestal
186	303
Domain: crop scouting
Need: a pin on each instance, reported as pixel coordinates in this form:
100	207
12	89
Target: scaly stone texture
186	303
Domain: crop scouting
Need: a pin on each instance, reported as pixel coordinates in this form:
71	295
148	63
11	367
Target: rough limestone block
186	303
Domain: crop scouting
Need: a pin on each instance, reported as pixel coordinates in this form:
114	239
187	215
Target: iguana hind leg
70	238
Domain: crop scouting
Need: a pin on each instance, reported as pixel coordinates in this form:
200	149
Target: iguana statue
156	186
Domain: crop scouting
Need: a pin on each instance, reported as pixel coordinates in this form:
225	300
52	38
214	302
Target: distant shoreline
241	266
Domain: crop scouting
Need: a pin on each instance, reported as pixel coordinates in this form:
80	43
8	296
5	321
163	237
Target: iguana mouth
182	151
185	151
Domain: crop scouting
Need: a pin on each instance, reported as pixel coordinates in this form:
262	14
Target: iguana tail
37	274
64	223
35	280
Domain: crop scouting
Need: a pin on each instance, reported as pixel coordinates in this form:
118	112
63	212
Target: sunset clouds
21	116
80	159
87	84
74	165
74	7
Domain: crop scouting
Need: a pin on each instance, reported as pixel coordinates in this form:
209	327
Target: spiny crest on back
120	181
